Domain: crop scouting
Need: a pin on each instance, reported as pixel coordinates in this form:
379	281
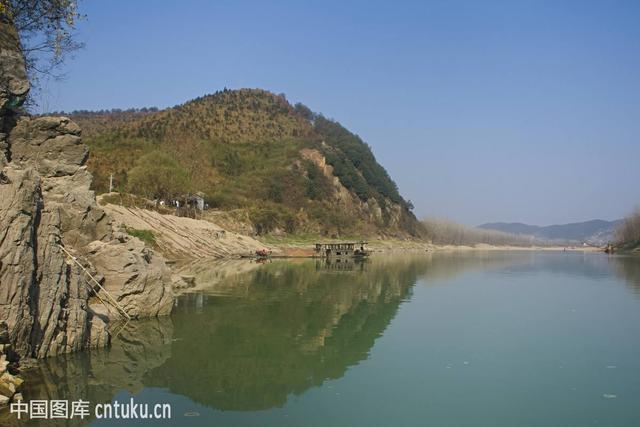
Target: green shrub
264	220
267	219
146	236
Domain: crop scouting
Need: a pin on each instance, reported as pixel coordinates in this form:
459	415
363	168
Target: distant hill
597	231
282	167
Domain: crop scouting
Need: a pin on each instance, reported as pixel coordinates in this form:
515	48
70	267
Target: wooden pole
112	299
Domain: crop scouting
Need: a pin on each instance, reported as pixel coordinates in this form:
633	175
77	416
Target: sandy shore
484	247
389	246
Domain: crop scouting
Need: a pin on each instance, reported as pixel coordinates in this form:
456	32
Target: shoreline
181	240
296	250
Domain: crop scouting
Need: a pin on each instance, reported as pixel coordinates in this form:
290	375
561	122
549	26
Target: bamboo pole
113	300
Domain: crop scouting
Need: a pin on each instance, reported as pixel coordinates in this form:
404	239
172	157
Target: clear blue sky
480	110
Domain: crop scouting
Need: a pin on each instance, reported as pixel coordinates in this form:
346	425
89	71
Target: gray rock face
51	144
46	298
44	204
14	84
134	273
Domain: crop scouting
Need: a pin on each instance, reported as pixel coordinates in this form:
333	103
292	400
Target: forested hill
287	168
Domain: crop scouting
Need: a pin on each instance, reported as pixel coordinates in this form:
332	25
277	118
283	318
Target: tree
158	176
45	28
304	111
354	163
628	232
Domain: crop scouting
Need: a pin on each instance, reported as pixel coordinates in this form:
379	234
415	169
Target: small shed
340	249
197	201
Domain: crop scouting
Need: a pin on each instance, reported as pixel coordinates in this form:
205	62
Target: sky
481	111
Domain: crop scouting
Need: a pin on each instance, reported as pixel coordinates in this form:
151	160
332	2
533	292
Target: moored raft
341	250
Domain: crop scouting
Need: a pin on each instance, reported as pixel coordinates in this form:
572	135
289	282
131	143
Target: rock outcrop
9	382
137	275
54	237
384	214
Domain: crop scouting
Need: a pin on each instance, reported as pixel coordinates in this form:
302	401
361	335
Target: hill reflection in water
248	341
283	328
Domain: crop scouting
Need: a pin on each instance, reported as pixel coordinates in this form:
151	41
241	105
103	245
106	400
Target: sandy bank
180	238
295	249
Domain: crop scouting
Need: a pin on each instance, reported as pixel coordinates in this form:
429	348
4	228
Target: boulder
134	275
11	379
180	282
7	387
51	144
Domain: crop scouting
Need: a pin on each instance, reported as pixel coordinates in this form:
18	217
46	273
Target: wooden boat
263	253
341	250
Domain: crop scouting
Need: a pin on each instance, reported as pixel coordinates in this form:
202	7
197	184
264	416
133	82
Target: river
445	339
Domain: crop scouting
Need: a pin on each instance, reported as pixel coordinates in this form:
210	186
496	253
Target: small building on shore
197	201
341	249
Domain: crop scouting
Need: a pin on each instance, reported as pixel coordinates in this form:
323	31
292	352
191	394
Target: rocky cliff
53	235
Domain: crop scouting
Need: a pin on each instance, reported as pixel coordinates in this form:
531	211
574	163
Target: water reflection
346	264
628	269
249	335
243	341
98	375
282	329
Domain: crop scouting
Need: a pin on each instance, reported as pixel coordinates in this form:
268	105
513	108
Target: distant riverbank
182	239
291	247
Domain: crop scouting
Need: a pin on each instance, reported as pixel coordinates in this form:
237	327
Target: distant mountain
596	232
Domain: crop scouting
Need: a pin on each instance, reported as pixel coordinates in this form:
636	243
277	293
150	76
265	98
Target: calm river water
467	339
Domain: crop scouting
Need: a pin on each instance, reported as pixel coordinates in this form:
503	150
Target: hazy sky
480	110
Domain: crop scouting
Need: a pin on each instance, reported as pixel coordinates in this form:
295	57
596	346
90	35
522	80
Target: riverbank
301	246
181	239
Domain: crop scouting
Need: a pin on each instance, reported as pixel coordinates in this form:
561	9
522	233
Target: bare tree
46	31
628	232
445	232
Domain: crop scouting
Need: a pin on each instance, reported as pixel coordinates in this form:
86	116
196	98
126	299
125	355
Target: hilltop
282	168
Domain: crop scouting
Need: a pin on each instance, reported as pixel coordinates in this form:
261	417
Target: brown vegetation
628	232
445	232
